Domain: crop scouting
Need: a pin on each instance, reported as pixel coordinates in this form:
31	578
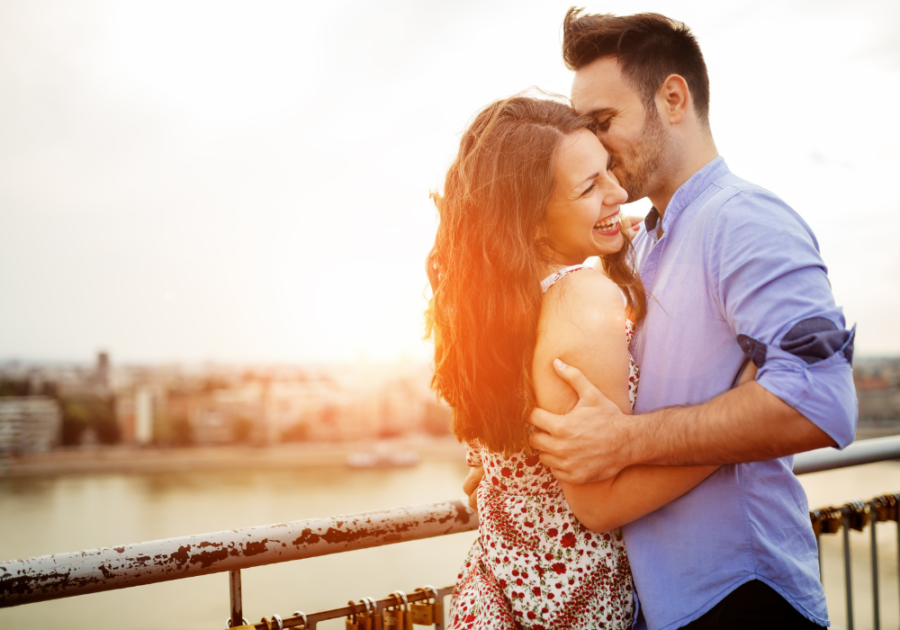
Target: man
734	275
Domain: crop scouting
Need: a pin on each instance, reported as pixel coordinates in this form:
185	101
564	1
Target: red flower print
506	472
568	540
537	593
559	567
554	533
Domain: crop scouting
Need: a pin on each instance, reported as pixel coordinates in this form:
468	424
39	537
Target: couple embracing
631	426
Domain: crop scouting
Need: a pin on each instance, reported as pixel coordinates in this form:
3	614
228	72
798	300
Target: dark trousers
752	606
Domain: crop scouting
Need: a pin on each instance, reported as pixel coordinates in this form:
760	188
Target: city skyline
213	182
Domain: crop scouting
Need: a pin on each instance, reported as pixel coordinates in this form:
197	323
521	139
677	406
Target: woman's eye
589	190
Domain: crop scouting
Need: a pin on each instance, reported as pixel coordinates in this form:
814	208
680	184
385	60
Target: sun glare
218	62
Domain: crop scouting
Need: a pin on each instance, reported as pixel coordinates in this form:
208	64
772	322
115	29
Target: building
29	424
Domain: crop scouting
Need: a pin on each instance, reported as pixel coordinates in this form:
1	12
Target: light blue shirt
736	274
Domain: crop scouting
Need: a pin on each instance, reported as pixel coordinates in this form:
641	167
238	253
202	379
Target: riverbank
124	459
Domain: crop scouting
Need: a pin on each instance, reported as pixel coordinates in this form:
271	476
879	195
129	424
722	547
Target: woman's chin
608	243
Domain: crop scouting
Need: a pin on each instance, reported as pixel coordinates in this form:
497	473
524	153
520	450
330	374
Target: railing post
237	612
873	518
845	525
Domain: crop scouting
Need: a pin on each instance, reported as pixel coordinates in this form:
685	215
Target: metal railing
57	576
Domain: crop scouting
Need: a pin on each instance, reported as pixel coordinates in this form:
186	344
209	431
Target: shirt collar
651	219
689	191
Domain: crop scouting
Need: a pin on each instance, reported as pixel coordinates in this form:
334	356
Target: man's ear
675	99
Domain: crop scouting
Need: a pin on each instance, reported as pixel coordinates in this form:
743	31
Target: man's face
635	137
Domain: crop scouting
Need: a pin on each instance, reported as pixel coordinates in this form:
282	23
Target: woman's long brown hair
487	264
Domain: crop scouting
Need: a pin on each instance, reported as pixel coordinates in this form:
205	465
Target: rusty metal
79	573
862	452
235	597
848	583
312	619
873	519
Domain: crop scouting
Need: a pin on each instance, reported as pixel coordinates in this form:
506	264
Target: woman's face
583	214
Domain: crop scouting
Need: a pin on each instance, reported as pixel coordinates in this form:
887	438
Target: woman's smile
609	225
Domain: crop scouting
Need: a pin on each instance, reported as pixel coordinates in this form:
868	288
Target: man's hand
470	486
590	443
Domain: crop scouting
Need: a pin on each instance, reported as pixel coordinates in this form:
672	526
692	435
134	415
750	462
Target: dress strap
553	278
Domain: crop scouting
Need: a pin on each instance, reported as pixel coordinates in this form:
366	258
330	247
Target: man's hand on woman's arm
596	441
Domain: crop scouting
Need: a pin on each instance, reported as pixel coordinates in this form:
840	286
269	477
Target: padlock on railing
857	516
887	508
396	614
815	518
274	623
302	615
826	520
426	612
352	620
373	619
350	623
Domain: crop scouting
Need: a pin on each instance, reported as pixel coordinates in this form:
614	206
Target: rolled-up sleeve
773	290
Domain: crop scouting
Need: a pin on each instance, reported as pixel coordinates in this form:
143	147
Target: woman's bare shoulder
583	323
587	298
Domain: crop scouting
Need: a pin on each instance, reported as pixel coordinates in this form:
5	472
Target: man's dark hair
648	46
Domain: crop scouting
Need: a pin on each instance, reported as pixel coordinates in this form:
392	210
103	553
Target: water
56	514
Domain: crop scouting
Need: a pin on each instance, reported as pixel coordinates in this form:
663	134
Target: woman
528	199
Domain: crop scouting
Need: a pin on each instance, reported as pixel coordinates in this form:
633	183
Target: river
43	515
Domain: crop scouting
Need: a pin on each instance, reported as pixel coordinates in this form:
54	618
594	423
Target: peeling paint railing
79	573
82	572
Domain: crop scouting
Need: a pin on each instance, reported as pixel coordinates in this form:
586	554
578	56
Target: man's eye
603	124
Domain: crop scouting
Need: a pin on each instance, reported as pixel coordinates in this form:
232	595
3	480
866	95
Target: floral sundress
534	565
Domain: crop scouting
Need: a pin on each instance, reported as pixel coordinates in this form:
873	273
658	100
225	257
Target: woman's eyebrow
595	113
587	179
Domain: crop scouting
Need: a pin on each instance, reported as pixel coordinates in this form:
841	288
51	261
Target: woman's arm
583	323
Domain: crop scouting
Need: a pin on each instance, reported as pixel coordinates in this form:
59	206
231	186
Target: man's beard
643	161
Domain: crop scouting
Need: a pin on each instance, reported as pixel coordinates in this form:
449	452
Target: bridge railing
57	576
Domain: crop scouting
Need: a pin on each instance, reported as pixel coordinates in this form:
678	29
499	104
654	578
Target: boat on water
381	459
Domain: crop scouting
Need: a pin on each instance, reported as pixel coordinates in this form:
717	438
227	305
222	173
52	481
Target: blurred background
214	218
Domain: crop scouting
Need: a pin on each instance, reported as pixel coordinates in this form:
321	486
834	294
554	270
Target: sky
223	181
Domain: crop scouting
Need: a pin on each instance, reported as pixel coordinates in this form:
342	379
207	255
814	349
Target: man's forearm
742	425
